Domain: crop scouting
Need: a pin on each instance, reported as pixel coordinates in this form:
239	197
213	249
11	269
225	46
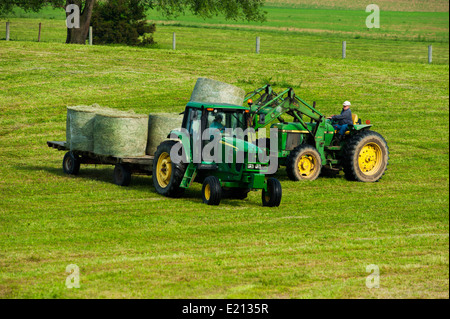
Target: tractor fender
360	127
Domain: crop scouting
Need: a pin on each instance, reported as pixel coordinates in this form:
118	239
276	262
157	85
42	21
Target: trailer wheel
167	176
211	191
71	164
303	163
272	197
122	175
366	157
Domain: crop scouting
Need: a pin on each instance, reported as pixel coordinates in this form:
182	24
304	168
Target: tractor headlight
250	166
258	166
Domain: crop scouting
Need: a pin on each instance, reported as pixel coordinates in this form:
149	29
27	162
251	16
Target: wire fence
247	42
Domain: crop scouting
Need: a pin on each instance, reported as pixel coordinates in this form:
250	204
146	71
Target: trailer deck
124	166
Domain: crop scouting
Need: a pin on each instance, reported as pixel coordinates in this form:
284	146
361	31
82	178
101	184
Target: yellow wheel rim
306	165
207	192
164	170
370	159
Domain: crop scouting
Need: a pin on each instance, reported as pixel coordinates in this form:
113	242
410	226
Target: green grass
229	40
403	36
421	26
385	5
133	243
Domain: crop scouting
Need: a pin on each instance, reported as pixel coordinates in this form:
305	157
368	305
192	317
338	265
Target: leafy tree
250	10
121	21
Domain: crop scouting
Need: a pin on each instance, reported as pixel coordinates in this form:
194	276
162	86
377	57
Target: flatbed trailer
124	167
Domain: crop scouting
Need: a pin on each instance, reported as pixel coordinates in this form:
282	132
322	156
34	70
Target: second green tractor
309	145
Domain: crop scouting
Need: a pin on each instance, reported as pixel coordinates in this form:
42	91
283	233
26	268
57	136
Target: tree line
125	21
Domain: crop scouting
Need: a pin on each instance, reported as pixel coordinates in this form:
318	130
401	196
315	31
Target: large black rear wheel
366	157
167	176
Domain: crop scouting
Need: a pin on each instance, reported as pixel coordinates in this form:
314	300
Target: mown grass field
132	243
388	5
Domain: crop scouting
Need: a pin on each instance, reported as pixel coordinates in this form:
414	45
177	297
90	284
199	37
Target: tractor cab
226	122
224	118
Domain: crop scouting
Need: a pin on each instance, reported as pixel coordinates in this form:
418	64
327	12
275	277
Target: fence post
91	40
174	41
39	35
258	44
430	53
7	31
344	49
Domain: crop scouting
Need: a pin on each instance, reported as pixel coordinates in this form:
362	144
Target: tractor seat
355	120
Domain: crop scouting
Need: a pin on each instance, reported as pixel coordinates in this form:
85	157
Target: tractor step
189	176
207	166
333	148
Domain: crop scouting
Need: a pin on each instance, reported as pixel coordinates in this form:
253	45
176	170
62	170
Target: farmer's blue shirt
344	118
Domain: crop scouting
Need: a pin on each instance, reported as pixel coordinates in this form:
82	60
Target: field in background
415	26
403	37
132	243
385	5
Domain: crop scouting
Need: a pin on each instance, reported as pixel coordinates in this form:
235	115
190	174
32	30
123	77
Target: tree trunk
79	35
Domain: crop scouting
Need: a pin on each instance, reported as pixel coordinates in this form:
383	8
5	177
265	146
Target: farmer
216	126
343	120
217	123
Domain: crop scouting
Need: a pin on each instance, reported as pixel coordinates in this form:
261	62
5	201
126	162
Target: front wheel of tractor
272	197
211	191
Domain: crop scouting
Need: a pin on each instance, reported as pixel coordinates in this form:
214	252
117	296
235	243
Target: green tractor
229	175
309	145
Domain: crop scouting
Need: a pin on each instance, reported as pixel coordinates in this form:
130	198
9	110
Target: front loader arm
270	105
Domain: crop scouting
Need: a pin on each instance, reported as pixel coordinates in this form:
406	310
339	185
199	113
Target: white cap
347	103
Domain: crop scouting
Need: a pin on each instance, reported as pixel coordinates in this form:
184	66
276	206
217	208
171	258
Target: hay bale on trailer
120	134
80	127
211	91
159	126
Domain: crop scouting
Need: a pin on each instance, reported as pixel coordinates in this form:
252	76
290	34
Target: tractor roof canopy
216	105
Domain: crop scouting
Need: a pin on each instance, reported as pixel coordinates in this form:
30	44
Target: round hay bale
80	127
211	91
120	134
159	126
